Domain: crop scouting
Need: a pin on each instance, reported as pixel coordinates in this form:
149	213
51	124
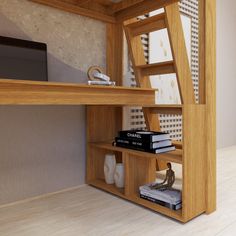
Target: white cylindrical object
109	168
119	176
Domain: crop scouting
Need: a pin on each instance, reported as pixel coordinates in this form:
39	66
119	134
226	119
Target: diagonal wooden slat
179	51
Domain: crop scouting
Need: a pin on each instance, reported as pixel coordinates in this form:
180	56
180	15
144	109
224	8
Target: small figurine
168	181
97	77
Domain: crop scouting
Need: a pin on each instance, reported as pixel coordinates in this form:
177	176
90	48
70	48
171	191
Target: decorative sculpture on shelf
96	76
168	181
109	168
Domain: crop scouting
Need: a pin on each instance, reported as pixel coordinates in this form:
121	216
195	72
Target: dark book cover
162	203
155	151
146	136
142	143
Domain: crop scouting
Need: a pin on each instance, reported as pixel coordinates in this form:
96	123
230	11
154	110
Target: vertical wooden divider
207	92
210	86
104	122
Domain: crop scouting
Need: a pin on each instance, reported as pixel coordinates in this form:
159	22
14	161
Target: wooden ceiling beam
76	9
140	8
82	2
123	4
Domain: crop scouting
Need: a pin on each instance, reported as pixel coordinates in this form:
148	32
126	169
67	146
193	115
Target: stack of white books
171	198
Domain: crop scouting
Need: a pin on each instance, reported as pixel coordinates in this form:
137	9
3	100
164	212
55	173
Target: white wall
226	73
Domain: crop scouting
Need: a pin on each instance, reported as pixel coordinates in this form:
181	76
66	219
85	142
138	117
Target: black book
142	143
155	151
147	136
162	203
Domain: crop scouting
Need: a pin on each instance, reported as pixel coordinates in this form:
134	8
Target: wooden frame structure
197	152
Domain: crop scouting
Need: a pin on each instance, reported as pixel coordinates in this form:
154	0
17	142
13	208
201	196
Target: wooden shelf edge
173	156
100	184
14	92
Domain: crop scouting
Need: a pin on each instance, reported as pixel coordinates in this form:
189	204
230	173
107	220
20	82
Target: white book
161	198
170	196
97	82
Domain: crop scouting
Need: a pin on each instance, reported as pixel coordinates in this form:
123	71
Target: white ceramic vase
109	168
119	176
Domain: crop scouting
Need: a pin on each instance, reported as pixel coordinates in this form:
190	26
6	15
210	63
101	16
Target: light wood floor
90	212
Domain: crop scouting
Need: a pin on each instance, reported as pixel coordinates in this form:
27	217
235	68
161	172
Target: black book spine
135	143
124	145
165	204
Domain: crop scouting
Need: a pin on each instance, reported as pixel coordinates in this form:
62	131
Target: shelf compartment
140	168
173	156
111	188
156	207
100	184
13	92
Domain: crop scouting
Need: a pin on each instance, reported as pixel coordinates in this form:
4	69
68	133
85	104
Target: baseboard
41	196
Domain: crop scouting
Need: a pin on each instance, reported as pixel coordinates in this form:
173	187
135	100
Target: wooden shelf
156	207
99	183
111	188
168	109
173	156
13	92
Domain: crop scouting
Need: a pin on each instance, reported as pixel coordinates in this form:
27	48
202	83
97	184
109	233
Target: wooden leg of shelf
90	165
194	163
127	174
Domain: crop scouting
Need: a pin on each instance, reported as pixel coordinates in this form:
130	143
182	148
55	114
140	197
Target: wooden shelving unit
136	199
196	153
140	168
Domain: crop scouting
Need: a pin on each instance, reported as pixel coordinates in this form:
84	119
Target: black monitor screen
23	60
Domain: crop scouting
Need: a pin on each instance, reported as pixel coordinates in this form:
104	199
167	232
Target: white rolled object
119	176
101	76
109	168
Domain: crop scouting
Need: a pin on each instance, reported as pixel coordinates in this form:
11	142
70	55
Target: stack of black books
147	141
170	198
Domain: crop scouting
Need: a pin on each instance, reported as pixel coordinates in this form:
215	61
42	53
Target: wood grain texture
115	54
104	122
148	25
194	161
157	68
142	8
48	93
124	4
179	52
202	51
174	156
168	110
210	85
69	7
